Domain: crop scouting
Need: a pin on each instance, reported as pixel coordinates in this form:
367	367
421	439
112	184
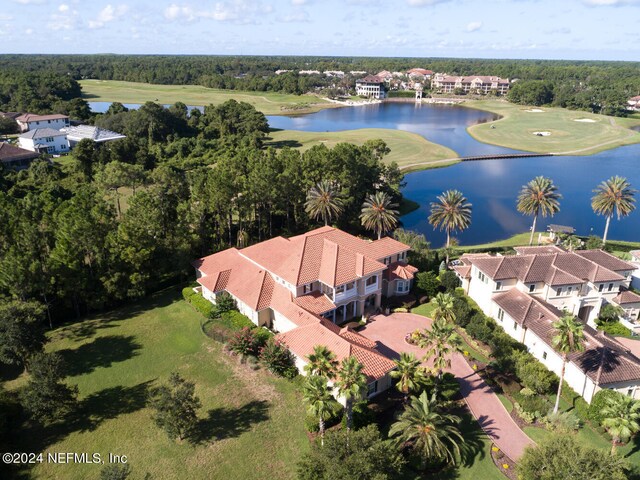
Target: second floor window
601	287
500	314
49	139
371	281
610	287
308	288
532	288
498	285
559	291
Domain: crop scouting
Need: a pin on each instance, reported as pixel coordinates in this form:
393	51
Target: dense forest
119	220
597	86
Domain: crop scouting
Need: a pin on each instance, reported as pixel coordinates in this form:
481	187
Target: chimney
359	264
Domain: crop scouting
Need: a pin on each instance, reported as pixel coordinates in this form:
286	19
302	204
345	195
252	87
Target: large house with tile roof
31	121
525	293
371	86
305	287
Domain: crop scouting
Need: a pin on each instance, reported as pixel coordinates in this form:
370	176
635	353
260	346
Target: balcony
371	288
345	294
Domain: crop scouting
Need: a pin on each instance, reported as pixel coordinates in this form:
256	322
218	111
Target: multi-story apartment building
525	293
304	287
478	84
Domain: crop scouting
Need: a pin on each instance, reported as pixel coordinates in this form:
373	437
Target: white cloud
28	31
299	2
610	3
423	3
236	11
63	7
30	2
474	26
66	20
299	16
108	14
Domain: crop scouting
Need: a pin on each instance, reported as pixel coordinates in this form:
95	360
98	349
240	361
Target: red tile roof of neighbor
555	269
371	79
420	71
604	360
627	297
400	270
32	117
9	153
343	342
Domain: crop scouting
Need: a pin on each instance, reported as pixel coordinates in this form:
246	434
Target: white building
525	293
30	121
44	140
479	84
304	287
97	134
370	86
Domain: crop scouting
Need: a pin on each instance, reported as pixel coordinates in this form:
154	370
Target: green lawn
132	92
409	150
567	136
513	241
252	424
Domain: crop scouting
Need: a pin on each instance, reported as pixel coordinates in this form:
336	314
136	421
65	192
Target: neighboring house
30	121
604	363
478	84
635	276
334	73
97	134
420	74
633	103
44	140
309	72
302	287
384	75
370	86
357	73
579	282
525	293
554	230
629	302
14	157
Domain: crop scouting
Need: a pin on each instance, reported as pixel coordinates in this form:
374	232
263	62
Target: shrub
263	335
236	321
448	388
461	310
593	242
529	417
535	404
362	416
224	303
562	422
533	374
244	342
400	310
614	328
479	328
204	306
598	402
277	358
115	471
428	283
449	281
581	408
312	423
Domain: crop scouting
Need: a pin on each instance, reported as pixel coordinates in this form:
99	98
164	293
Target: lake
490	185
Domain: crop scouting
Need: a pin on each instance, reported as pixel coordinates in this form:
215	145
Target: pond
490	185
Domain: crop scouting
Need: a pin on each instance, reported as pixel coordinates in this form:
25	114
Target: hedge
204	306
598	402
235	320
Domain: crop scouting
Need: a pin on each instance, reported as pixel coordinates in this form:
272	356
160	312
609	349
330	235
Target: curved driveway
389	332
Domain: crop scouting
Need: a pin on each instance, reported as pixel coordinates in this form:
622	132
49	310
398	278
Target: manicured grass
252	424
568	136
132	92
426	309
408	150
508	404
513	241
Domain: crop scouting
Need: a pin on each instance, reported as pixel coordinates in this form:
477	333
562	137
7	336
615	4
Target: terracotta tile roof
604	360
400	270
385	247
9	153
302	340
606	260
32	117
371	79
539	250
626	297
315	302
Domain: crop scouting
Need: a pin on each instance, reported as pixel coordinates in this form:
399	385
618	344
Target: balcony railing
370	288
339	296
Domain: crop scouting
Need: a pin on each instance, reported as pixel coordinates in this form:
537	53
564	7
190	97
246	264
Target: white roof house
97	134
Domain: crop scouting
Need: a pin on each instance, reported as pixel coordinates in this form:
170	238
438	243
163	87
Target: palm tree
444	307
379	213
569	338
317	395
409	373
324	201
452	213
322	362
442	340
621	417
351	384
430	434
612	195
539	196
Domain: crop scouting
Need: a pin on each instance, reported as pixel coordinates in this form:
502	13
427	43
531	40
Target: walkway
389	332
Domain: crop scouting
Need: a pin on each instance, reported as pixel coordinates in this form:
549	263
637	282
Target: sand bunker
534	110
542	134
584	120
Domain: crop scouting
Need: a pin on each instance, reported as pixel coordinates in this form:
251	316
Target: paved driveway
389	332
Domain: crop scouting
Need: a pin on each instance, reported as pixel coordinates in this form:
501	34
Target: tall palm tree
430	434
569	338
321	404
452	213
379	213
444	307
539	196
621	418
442	341
409	373
324	201
322	362
351	384
613	195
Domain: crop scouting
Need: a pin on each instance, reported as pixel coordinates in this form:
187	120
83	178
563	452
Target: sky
548	29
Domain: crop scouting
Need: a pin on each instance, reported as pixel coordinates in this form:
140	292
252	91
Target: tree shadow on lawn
225	422
102	352
282	143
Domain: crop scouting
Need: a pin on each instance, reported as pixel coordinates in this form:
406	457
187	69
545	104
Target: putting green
567	132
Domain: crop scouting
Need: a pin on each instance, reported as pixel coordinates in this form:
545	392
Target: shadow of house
102	352
229	422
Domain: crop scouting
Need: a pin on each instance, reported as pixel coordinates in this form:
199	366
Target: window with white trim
387	260
558	291
307	288
498	285
500	314
515	325
532	288
372	388
402	286
569	290
544	355
610	287
372	280
601	287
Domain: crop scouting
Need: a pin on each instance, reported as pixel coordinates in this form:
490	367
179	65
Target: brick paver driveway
389	332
